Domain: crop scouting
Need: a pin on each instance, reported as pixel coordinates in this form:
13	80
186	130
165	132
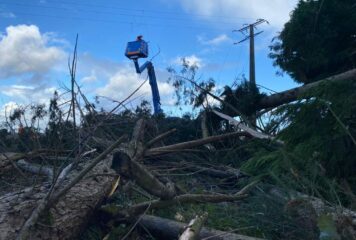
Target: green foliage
188	129
38	112
320	147
187	89
261	215
144	109
59	132
243	97
318	41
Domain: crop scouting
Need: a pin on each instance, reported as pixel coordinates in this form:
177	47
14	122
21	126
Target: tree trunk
70	214
291	95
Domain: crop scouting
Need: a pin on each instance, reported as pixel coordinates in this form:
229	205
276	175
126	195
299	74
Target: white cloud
8	107
91	78
275	11
214	41
125	81
23	96
24	50
28	94
191	61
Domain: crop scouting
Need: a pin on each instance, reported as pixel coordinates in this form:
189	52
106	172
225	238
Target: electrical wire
26	5
61	18
81	4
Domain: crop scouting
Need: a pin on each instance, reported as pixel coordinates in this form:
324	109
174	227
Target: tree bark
293	94
67	218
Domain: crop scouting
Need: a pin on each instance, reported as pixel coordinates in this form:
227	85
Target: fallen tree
293	94
67	218
74	198
62	210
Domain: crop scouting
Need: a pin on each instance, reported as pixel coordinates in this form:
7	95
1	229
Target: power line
160	18
62	18
145	10
127	10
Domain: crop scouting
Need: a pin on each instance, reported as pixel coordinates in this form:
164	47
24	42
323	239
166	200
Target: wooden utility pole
251	28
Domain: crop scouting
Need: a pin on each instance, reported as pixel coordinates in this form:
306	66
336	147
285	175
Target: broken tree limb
190	144
163	228
128	167
160	137
192	231
242	126
293	94
126	163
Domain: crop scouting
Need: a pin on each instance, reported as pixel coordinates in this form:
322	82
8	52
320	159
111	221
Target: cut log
162	228
293	94
69	215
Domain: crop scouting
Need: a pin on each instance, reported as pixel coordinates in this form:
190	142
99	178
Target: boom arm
153	83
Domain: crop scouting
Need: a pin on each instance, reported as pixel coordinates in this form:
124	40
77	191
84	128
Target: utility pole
251	35
251	28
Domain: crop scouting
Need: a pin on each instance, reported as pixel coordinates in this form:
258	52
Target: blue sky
37	37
